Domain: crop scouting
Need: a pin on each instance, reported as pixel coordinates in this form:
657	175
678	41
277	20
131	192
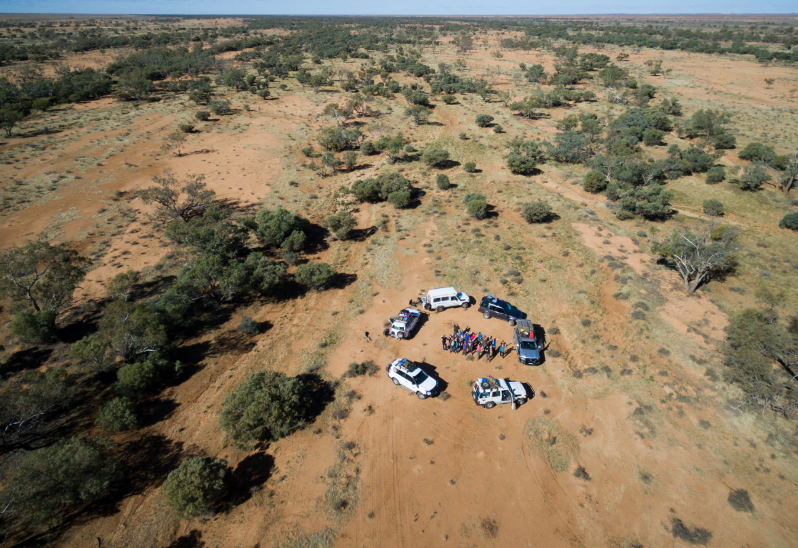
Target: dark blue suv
491	307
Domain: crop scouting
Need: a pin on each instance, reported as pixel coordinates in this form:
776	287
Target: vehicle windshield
529	345
420	377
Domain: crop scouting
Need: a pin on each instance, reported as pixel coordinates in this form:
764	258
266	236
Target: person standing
493	348
501	349
443	342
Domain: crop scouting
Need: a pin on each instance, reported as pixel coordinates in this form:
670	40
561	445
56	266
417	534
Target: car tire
439	309
400	335
520	401
421	396
490	405
512	322
427	306
486	316
466	305
386	332
396	382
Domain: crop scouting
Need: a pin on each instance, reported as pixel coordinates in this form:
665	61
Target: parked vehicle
489	392
403	324
409	375
491	307
444	297
526	345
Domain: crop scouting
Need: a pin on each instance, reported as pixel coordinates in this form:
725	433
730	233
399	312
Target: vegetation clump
193	487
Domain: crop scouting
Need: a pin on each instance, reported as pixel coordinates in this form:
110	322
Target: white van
444	297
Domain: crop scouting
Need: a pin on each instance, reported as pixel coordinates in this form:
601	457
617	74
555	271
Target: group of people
467	342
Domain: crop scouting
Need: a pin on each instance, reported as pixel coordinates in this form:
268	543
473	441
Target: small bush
653	137
436	157
498	129
594	182
740	500
308	152
449	99
192	488
202	115
186	128
713	208
474	196
789	221
34	327
340	224
248	326
442	181
521	164
477	209
536	212
462	136
117	415
470	167
691	535
360	369
484	120
715	175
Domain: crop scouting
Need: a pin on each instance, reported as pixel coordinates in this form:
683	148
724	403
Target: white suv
489	392
409	375
444	297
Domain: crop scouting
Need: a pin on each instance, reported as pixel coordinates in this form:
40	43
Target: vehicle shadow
540	336
432	371
530	392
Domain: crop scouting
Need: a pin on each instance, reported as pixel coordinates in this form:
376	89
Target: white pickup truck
403	324
444	297
489	392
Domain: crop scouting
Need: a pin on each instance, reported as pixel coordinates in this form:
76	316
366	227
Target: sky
403	7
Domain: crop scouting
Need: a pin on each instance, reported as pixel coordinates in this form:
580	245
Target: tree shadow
22	360
192	540
248	477
201	151
362	234
321	393
155	410
342	280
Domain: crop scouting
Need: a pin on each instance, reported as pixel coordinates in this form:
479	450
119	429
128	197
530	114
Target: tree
787	179
752	178
52	481
194	486
167	192
338	138
477	209
350	159
212	233
393	145
442	182
536	212
569	147
340	224
92	350
713	208
650	201
267	405
174	141
698	252
715	175
265	275
25	405
117	415
484	120
40	275
419	114
9	118
318	276
275	228
436	157
711	124
520	164
400	199
132	329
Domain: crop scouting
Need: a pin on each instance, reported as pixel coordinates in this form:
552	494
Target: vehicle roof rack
405	365
488	382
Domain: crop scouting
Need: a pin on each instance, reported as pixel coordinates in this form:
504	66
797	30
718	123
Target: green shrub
436	157
359	369
470	167
713	208
442	182
594	182
521	164
653	137
790	221
186	128
248	326
449	99
474	197
34	327
92	350
308	152
340	224
536	212
462	136
477	209
117	415
194	486
315	275
367	148
202	115
267	405
400	199
498	129
484	120
752	178
281	228
715	175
